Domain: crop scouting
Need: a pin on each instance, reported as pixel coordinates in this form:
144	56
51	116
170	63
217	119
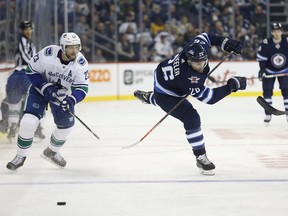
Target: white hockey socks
58	138
28	126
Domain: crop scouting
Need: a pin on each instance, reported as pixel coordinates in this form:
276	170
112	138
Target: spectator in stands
129	23
157	20
163	46
99	58
82	26
125	49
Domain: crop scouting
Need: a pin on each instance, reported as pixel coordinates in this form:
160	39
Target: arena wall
117	81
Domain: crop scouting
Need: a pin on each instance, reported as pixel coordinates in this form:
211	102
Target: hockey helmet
69	38
276	26
196	53
26	24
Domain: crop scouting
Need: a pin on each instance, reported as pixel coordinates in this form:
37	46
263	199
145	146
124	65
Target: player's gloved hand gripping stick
175	107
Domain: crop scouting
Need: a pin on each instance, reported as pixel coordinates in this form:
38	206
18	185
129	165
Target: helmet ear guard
69	39
196	53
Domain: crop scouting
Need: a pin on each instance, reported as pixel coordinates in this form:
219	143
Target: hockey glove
68	104
50	92
234	46
237	83
261	74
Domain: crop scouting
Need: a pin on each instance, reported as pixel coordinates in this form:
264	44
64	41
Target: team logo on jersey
278	60
194	79
81	61
48	51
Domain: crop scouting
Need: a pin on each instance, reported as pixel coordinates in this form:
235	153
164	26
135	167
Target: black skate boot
143	96
17	162
38	133
206	167
53	157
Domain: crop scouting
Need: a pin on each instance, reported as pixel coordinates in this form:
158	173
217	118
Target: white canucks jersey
69	78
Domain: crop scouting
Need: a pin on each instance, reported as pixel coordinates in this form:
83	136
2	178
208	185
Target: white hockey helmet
69	38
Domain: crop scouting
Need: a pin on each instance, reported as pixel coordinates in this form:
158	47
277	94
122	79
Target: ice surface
158	176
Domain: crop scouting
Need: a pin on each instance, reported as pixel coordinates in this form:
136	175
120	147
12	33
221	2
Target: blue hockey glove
234	46
50	92
261	74
68	104
237	83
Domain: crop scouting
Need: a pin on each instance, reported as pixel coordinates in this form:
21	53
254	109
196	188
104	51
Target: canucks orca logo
278	60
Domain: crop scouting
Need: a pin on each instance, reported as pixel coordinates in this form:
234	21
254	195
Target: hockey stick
175	107
73	114
267	107
276	75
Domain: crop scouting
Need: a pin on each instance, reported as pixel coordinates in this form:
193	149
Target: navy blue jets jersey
273	57
176	78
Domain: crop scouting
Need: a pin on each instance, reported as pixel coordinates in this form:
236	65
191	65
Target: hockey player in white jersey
59	77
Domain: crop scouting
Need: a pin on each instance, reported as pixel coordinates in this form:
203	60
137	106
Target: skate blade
207	172
9	172
50	161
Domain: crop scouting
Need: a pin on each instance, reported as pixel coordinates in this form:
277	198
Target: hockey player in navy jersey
59	77
185	74
18	84
273	61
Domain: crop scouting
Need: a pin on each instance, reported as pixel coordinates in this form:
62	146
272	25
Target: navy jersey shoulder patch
82	61
48	51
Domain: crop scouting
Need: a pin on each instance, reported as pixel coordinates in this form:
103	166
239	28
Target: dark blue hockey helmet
196	53
276	26
26	24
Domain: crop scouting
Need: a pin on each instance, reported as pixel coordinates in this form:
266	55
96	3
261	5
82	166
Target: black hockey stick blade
269	108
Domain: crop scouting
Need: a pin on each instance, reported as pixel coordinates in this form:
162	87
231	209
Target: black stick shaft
73	114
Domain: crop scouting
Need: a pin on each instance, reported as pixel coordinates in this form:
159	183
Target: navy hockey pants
36	104
185	112
17	86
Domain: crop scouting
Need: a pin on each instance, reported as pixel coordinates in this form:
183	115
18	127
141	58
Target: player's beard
71	57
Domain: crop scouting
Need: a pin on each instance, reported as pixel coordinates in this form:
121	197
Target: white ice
157	177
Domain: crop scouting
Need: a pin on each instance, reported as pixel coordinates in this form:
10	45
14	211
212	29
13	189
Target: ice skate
54	158
143	96
17	162
267	119
205	166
